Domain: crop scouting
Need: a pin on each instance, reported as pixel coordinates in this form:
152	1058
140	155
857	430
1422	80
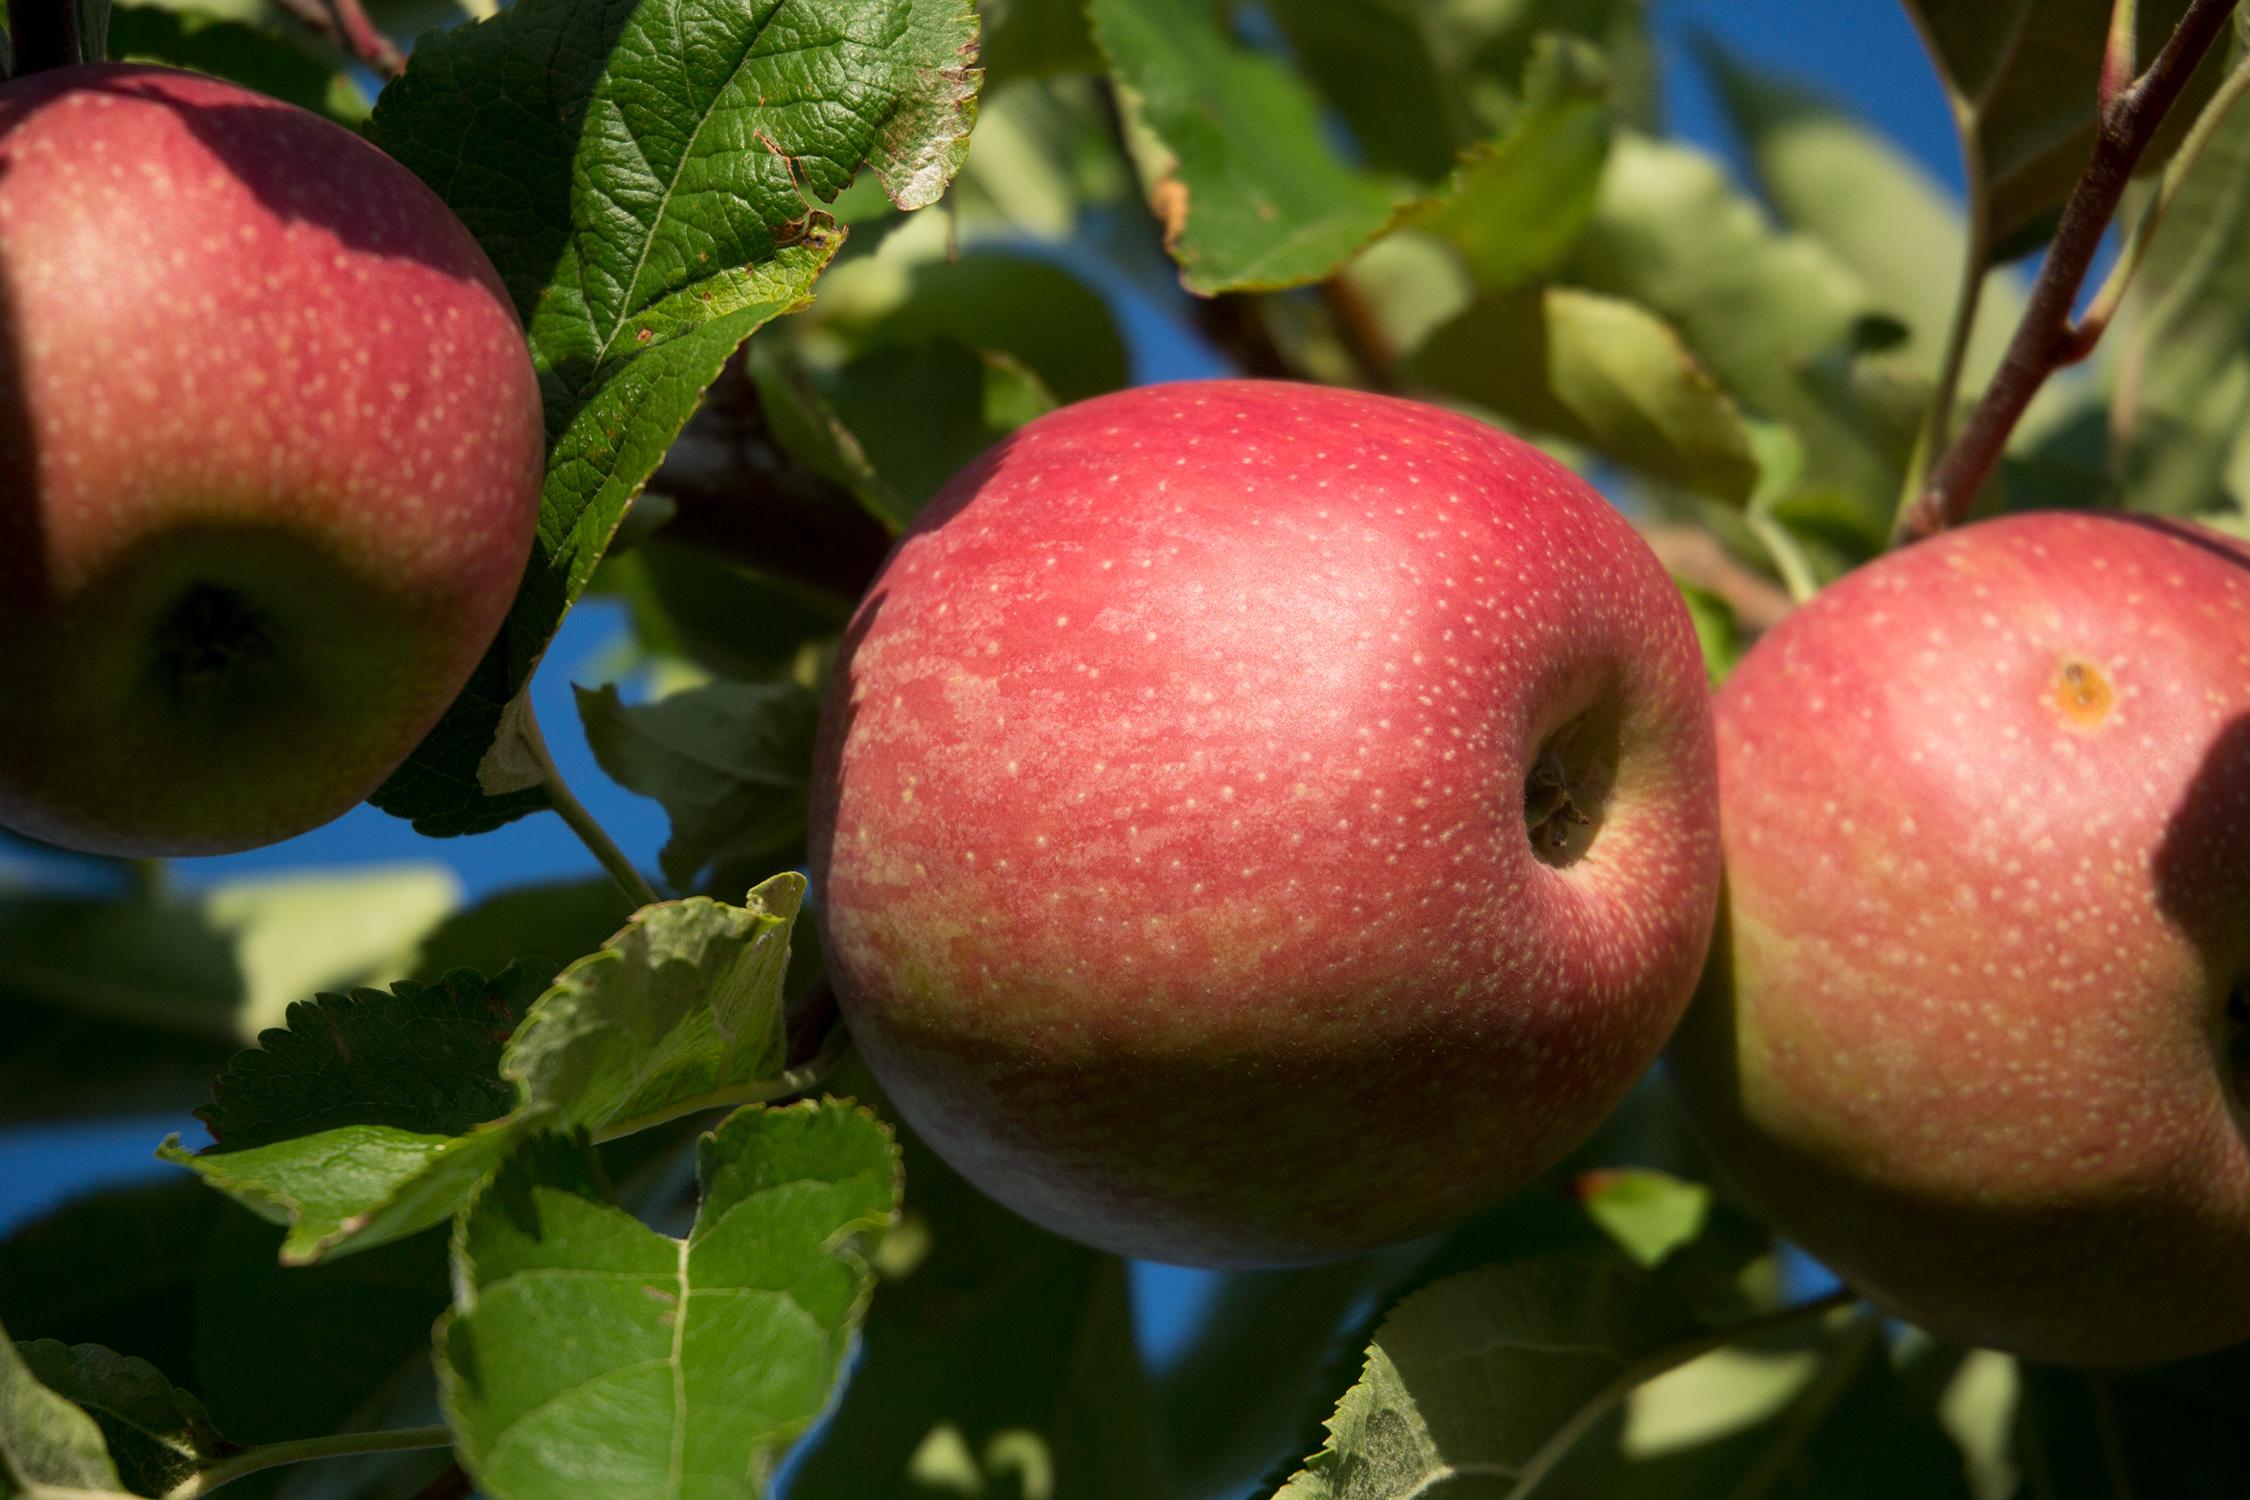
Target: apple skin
1965	1036
1170	820
270	454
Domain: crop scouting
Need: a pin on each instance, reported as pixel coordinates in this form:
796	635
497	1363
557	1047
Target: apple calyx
205	638
1567	786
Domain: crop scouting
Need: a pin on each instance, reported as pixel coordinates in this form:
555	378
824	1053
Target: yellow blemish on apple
2083	694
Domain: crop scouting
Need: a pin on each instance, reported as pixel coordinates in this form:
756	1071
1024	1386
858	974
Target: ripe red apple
1256	822
270	451
1974	1031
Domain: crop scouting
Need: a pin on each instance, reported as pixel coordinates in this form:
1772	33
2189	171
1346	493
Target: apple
1974	1031
270	453
1257	822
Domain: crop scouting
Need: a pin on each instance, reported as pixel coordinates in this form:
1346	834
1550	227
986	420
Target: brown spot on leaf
1169	201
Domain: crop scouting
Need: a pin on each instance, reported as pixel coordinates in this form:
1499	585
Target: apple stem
2048	337
582	822
43	35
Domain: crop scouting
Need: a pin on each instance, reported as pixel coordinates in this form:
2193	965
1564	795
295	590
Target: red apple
270	451
1975	1031
1257	822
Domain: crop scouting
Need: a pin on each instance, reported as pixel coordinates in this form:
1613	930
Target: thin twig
346	24
1696	556
335	1445
2047	338
1663	1361
583	823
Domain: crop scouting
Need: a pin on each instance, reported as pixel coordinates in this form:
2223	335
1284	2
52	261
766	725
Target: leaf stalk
2048	338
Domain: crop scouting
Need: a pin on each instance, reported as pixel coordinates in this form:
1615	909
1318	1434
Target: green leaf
991	1346
1648	1213
421	1057
921	414
688	1365
728	620
1033	39
1774	316
353	1187
2022	78
1240	172
364	1120
157	1434
1378	65
1023	306
1863	198
1716	630
1470	1379
44	1438
1514	208
894	424
1419	80
638	174
730	761
1589	368
2182	397
249	53
223	962
684	1003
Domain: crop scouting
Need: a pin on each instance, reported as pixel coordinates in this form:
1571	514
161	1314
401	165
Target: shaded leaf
2182	397
157	1434
421	1057
115	1267
2022	77
730	761
1593	369
1850	188
556	920
1023	306
1515	207
1761	308
253	55
283	1351
46	1439
1034	38
1468	1379
1241	174
728	620
684	1002
922	414
638	174
691	1363
364	1120
990	1343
